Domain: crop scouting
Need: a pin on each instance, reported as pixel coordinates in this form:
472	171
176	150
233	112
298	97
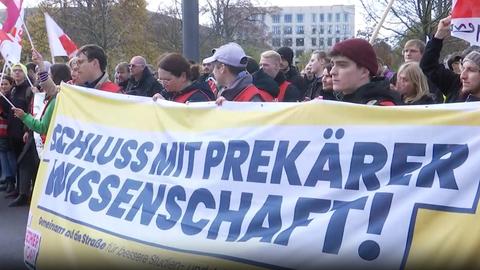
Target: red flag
60	43
466	9
13	12
68	44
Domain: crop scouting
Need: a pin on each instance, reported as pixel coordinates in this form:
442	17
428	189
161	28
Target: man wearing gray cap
235	83
470	76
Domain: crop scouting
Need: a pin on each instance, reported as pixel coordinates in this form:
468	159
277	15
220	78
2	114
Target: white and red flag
466	20
60	43
14	8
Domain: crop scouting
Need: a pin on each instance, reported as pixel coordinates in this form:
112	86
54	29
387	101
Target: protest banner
126	182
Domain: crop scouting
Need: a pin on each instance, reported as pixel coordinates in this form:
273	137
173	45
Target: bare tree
237	20
408	18
166	27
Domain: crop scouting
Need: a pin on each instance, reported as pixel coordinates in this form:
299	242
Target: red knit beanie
359	51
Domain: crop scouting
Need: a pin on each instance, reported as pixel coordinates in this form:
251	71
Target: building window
337	29
299	18
321	42
322	30
329	42
287	42
287	30
314	41
314	17
276	42
287	18
314	30
300	30
299	42
276	18
329	31
276	30
329	17
337	40
321	18
337	17
345	17
298	53
345	29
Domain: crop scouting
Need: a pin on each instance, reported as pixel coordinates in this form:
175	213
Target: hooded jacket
376	92
243	82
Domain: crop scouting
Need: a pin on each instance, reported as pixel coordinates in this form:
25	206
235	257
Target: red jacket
251	91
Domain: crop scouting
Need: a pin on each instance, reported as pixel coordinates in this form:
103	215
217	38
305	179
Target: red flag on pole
60	43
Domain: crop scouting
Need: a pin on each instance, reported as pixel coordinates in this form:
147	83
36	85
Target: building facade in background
305	29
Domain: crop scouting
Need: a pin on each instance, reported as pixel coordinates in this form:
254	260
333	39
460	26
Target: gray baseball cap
231	54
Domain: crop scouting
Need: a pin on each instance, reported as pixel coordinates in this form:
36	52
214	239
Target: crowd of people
349	72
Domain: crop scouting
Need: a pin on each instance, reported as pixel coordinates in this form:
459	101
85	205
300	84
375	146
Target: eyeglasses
134	65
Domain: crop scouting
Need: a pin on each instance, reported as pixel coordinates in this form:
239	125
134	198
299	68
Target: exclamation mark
369	249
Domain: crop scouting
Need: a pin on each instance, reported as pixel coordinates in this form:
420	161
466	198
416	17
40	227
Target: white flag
60	43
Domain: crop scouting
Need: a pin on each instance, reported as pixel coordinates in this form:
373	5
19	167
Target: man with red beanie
354	67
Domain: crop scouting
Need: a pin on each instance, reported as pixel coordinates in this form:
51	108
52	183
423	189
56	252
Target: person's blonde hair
414	73
275	56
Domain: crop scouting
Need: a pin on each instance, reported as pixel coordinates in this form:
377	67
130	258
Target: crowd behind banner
350	72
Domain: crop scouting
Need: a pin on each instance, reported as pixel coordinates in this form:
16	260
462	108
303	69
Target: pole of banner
1	79
380	23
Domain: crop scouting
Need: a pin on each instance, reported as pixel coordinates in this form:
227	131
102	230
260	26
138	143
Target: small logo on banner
32	246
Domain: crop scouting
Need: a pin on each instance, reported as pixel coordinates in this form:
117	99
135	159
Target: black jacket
446	80
425	100
264	82
147	86
376	92
316	89
21	96
293	76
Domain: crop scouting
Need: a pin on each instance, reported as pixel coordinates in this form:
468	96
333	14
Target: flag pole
29	81
380	23
28	33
